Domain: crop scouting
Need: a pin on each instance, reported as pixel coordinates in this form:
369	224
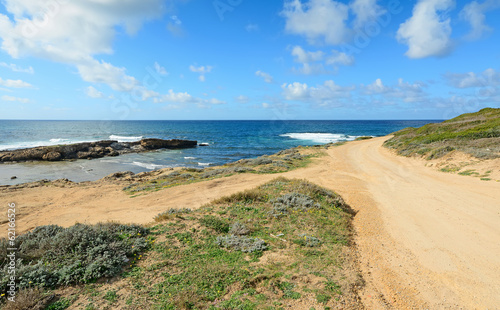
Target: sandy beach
426	239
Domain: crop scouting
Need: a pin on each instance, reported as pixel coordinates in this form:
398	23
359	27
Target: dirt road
426	239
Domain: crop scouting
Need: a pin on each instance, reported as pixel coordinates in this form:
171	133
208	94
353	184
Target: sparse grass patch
477	134
468	172
233	254
282	161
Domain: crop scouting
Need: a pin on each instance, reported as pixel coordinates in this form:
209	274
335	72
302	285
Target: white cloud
340	58
72	32
266	76
242	99
160	70
427	32
15	99
295	91
16	68
174	26
252	27
402	90
312	62
474	14
265	105
326	94
365	11
93	93
202	70
183	98
376	87
94	71
487	78
317	20
303	56
15	83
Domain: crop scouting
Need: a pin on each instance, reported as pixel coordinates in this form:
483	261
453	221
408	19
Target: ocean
227	141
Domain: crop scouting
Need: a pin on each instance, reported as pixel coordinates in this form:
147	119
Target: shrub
52	255
240	243
309	241
239	229
27	299
171	213
217	224
294	201
261	161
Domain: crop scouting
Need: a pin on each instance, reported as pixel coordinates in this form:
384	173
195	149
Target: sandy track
426	239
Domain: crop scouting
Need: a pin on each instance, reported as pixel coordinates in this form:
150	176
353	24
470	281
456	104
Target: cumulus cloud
317	20
15	99
160	70
266	76
408	92
93	93
365	11
339	58
16	68
185	98
474	14
15	83
312	62
487	78
329	93
73	32
427	32
202	70
303	56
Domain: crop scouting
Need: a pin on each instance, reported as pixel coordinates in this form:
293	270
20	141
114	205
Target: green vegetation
282	161
50	256
477	134
231	254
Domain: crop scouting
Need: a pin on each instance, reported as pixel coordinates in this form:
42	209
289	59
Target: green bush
240	243
51	255
217	224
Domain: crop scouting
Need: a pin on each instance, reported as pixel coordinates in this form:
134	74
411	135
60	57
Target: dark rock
119	175
154	144
89	150
13	177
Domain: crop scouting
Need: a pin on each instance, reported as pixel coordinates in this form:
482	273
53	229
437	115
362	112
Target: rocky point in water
89	150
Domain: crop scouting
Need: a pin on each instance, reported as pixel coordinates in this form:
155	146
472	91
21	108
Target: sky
248	59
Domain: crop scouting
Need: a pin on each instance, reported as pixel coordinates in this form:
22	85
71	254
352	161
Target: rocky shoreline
89	150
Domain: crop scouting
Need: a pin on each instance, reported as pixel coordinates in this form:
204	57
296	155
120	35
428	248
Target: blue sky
242	59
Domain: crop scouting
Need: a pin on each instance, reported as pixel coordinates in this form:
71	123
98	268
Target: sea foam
124	138
319	137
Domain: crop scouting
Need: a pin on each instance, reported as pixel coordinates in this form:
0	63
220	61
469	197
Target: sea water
227	141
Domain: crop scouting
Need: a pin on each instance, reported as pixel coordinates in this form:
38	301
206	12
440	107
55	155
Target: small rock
13	177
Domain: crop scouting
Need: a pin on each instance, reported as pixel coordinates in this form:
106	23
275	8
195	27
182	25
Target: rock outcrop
89	150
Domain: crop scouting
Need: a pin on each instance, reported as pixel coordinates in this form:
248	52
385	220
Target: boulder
154	144
52	156
88	150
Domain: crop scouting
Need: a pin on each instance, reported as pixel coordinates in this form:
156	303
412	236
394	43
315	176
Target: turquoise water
228	141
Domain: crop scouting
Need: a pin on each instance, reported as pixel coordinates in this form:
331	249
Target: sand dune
426	239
